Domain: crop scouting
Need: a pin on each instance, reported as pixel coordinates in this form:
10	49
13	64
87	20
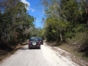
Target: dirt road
45	56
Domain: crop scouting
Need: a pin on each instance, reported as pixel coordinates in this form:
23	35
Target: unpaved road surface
45	56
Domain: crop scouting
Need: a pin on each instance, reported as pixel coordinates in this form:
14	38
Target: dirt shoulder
4	54
70	53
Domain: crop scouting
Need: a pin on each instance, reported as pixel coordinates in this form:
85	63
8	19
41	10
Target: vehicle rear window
34	39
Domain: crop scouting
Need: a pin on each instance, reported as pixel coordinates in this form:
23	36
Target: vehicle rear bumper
34	46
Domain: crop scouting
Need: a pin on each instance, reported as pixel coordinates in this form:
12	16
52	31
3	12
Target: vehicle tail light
39	42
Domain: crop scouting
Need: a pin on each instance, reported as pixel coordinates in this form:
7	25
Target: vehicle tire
29	47
39	47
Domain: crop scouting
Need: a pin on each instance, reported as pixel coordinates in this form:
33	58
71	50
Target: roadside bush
79	42
84	47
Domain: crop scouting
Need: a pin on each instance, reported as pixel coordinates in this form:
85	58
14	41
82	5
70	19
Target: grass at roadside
74	45
71	50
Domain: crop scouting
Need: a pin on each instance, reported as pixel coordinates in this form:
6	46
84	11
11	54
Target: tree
66	14
13	20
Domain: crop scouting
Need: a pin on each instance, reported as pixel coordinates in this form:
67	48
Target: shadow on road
26	48
34	49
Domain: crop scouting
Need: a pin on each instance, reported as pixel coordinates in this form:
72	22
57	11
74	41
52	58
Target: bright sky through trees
35	9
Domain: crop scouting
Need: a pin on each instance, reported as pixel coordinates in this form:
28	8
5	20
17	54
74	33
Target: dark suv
34	42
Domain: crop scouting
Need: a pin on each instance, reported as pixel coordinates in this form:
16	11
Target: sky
36	10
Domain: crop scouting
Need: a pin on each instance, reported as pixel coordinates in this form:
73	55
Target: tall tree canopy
64	16
14	19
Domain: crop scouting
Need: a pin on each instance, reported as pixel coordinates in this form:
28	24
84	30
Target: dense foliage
66	17
13	21
66	22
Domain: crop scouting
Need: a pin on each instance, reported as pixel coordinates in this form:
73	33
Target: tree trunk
61	38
